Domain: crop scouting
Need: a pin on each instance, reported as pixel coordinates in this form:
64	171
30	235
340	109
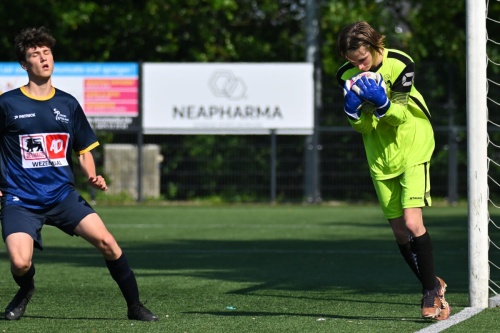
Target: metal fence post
311	186
273	166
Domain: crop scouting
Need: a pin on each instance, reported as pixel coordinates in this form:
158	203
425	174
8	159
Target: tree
251	31
159	30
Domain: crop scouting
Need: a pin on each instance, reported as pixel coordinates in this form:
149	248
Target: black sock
410	257
422	247
26	281
125	278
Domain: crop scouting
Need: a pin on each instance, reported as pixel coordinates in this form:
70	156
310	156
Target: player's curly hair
32	37
356	35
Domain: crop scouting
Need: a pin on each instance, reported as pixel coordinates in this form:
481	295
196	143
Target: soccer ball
350	84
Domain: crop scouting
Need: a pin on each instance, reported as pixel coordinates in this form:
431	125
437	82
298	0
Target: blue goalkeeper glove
352	104
374	93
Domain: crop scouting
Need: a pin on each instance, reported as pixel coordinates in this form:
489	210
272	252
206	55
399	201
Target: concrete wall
120	167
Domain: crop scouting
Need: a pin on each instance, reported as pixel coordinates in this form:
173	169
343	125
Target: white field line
78	252
262	251
440	326
215	226
228	252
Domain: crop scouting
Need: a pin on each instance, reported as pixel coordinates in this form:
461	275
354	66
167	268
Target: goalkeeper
398	137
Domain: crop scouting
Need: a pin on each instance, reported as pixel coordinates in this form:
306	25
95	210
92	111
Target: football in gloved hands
351	83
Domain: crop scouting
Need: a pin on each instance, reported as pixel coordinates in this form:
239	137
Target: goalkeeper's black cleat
15	309
140	312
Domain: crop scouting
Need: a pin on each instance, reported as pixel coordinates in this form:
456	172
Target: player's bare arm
48	192
88	167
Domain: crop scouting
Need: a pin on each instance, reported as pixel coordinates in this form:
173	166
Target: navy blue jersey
38	137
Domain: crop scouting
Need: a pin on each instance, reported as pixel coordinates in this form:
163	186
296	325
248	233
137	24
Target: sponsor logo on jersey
60	117
408	79
26	115
387	80
44	150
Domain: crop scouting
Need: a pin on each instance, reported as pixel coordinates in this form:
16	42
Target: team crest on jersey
44	150
60	117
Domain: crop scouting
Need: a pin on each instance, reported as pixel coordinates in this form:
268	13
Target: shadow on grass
370	266
67	318
359	262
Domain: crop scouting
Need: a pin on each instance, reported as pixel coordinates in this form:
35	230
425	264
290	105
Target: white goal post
477	160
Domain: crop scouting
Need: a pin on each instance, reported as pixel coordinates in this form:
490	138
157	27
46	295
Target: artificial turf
244	268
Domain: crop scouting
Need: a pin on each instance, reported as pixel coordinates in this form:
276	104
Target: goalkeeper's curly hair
356	35
32	37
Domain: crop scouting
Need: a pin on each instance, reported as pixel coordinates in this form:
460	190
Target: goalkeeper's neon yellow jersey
403	137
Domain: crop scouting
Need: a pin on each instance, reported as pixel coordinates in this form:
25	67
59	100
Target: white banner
228	98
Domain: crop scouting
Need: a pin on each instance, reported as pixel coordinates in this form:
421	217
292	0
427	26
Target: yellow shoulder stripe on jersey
89	148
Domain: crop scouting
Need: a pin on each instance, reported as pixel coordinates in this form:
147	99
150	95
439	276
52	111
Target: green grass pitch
247	268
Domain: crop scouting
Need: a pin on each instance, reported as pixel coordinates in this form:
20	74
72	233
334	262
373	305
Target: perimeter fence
263	168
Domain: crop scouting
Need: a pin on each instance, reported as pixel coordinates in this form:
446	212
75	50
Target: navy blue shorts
66	216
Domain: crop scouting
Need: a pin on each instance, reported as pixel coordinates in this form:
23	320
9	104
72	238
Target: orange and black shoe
434	305
431	305
445	307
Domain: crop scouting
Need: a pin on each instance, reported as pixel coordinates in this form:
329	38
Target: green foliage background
432	32
231	30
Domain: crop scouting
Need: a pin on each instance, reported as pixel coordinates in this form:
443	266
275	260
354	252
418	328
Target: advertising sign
107	92
228	98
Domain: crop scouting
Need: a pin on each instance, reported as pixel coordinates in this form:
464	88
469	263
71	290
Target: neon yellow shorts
408	190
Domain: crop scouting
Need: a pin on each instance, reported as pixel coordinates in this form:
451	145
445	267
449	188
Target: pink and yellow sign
111	96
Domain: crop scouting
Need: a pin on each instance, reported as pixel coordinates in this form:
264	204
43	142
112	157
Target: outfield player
40	127
398	137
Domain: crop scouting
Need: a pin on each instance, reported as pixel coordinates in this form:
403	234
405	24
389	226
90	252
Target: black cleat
15	309
140	312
